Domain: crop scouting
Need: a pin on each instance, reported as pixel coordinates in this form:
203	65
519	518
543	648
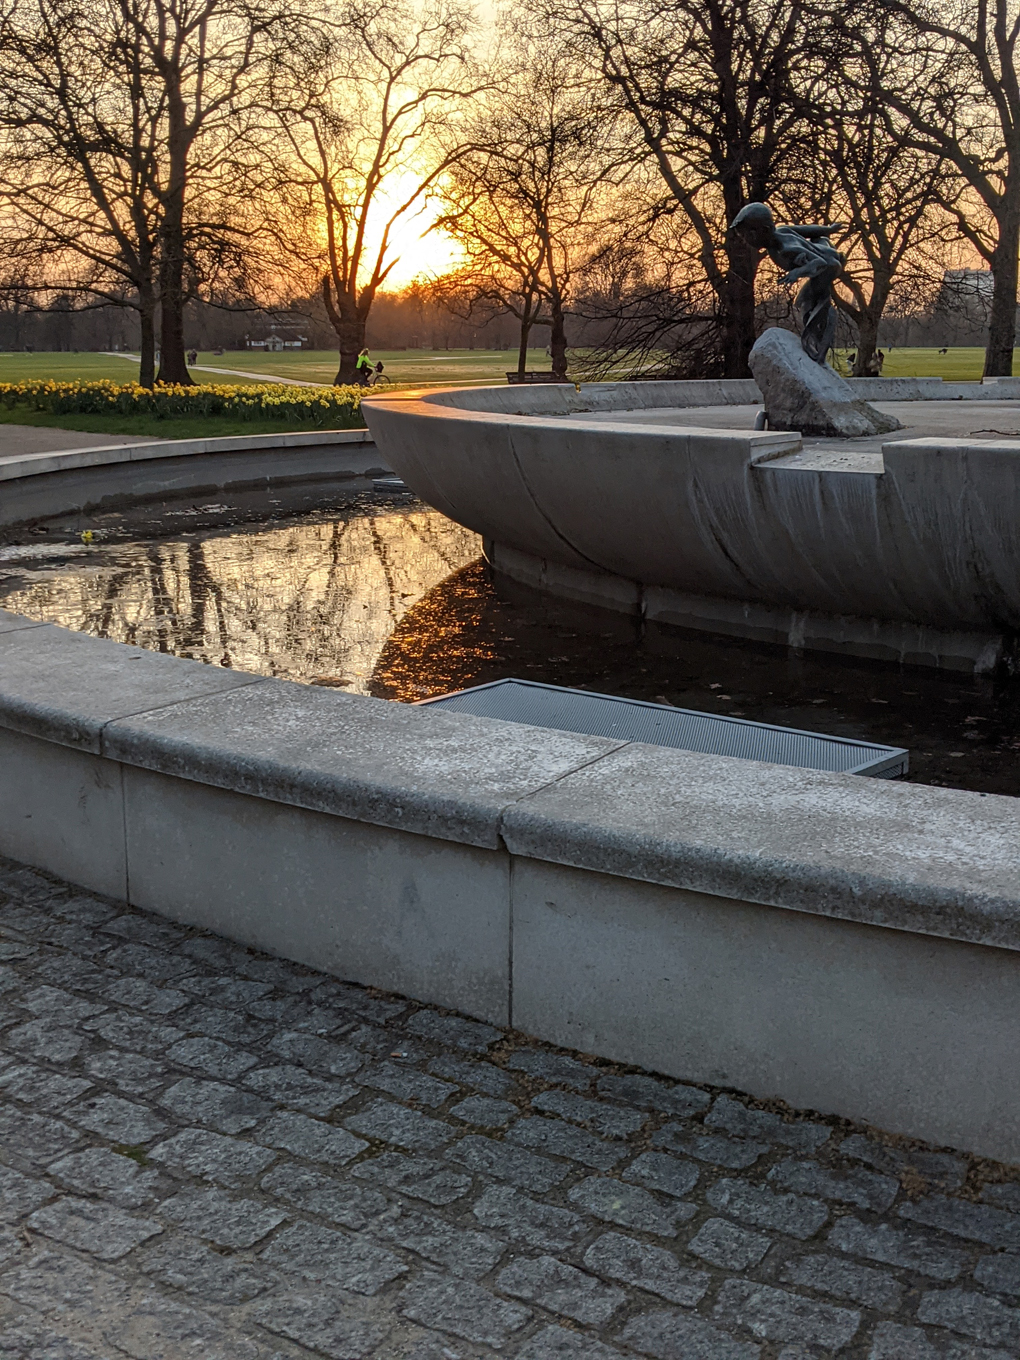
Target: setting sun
416	250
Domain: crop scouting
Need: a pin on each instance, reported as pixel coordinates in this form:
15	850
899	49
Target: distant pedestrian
192	356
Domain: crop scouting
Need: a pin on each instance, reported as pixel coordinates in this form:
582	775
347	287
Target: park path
17	440
231	372
208	1151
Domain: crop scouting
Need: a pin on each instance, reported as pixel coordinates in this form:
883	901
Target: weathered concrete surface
907	856
17	440
428	852
389	908
352	756
923	417
715	989
913	556
18	463
44	484
63	807
65	687
14	623
210	1152
806	396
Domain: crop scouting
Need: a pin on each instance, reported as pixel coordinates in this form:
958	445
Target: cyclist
363	368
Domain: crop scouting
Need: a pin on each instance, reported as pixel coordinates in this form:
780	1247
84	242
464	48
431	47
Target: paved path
218	1155
16	440
233	372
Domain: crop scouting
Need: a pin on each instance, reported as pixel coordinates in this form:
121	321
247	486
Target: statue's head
755	223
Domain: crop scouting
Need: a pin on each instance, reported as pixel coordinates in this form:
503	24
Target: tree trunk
558	341
349	326
867	343
173	367
522	351
147	354
736	310
351	335
868	319
1002	321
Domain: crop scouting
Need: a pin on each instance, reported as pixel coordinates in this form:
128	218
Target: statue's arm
817	233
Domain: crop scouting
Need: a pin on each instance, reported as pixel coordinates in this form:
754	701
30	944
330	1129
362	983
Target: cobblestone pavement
212	1154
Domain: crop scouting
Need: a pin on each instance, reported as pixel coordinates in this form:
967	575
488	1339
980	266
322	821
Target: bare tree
361	111
120	149
958	87
867	173
527	196
712	90
80	133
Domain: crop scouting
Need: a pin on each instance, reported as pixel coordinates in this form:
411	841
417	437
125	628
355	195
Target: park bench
535	378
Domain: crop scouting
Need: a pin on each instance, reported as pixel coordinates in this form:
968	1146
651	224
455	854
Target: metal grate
607	715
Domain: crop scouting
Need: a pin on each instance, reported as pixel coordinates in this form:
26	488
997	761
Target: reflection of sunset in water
396	603
443	643
312	601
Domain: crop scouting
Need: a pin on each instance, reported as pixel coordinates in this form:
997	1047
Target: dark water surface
389	598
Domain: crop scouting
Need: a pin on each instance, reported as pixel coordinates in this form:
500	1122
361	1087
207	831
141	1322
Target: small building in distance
278	336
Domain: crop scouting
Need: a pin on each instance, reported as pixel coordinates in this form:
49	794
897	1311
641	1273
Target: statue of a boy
805	253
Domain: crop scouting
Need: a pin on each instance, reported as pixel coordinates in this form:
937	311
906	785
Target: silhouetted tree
526	196
957	87
361	109
712	93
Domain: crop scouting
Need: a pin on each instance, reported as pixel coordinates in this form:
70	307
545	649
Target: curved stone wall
913	556
39	485
849	945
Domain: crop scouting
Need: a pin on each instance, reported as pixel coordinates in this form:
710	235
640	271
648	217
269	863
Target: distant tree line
185	169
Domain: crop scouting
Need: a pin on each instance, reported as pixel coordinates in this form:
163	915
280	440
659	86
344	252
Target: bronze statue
805	253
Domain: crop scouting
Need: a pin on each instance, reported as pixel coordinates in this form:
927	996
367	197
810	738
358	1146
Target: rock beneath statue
803	395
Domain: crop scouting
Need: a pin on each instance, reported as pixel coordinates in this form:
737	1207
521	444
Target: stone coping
565	398
929	861
63	460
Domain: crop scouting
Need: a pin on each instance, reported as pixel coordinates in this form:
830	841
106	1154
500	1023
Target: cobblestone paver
211	1154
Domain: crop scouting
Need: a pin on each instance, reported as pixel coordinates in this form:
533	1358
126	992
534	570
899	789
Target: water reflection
446	642
313	601
394	602
961	732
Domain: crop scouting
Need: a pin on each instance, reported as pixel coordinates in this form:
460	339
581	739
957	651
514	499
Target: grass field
405	368
419	367
963	364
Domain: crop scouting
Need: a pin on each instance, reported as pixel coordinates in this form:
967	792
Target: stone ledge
16	623
61	460
434	774
65	687
932	862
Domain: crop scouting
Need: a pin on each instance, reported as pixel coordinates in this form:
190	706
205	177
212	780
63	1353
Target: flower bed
324	407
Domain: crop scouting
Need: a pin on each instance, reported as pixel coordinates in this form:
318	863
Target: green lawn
65	367
405	368
418	367
963	364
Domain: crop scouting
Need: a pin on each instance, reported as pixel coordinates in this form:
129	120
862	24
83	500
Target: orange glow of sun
418	251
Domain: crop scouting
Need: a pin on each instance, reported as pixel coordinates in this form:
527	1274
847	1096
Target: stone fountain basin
661	499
